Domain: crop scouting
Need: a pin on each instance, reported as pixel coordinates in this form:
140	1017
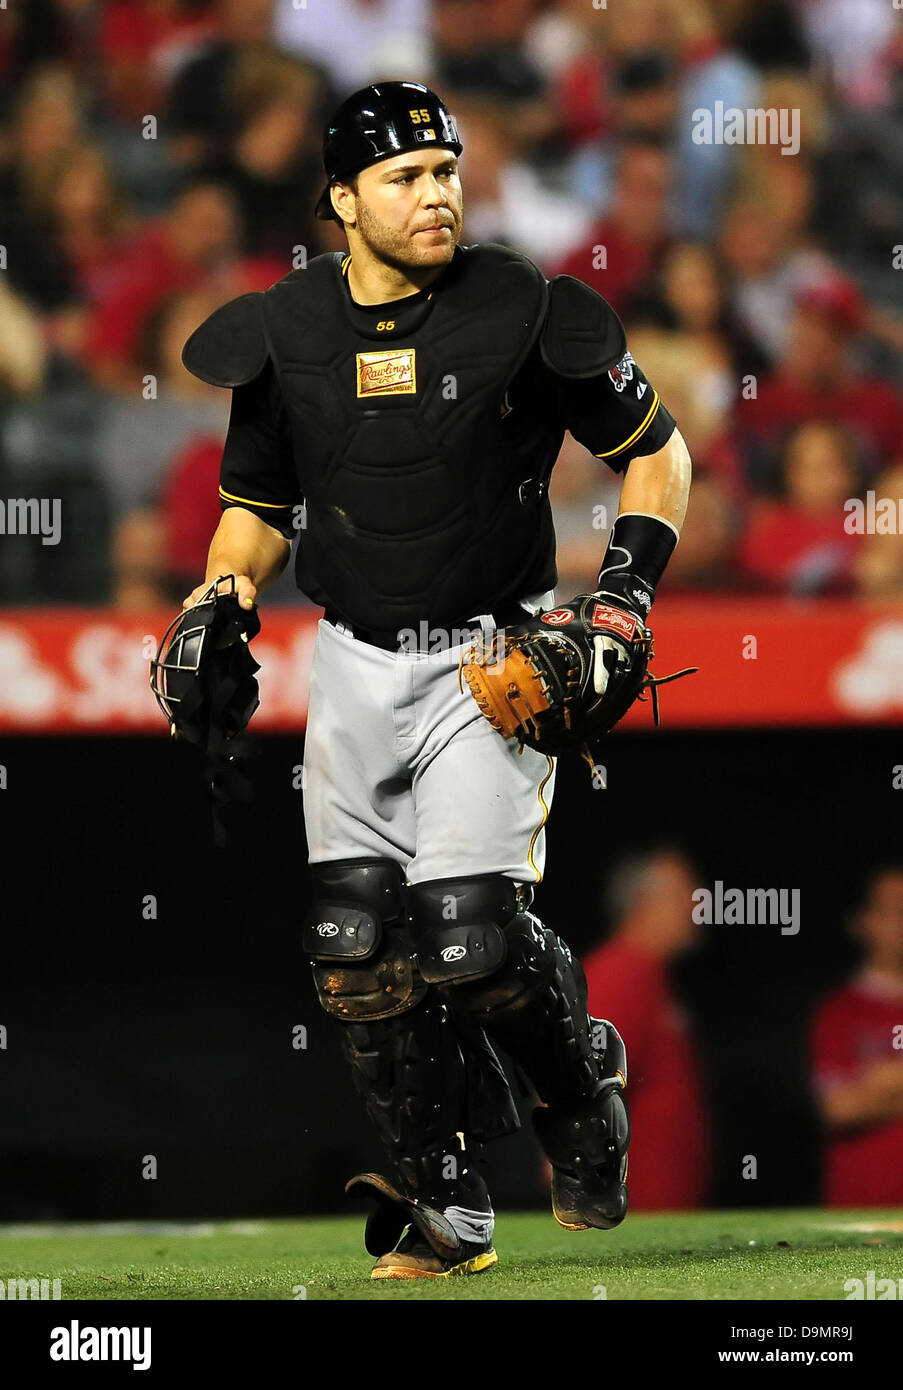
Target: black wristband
639	548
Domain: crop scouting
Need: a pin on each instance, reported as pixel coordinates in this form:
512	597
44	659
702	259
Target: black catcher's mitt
564	678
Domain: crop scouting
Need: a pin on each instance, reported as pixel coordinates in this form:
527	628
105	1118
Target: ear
342	197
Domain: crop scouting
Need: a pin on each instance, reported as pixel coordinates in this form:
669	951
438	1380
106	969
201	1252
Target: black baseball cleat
412	1239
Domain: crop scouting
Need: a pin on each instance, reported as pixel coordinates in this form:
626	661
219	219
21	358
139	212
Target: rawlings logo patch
557	617
615	619
327	929
454	953
387	373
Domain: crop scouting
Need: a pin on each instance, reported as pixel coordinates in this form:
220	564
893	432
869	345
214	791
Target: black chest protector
424	490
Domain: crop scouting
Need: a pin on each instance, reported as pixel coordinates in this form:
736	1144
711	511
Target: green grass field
709	1255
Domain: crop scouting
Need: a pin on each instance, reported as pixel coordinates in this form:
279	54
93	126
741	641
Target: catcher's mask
203	680
203	673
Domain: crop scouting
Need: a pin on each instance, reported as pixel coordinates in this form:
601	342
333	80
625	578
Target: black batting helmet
377	122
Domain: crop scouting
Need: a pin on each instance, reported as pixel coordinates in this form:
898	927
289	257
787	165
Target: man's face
881	920
407	209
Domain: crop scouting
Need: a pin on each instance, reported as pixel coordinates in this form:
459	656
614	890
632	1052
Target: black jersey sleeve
258	469
617	415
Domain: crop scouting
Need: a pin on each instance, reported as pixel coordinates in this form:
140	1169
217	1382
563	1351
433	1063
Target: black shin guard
530	998
535	1008
425	1081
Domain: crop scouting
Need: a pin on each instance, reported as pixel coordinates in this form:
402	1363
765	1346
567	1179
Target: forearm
857	1105
651	511
659	484
243	544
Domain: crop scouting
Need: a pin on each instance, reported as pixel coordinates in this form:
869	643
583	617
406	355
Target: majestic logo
557	617
454	953
387	373
327	929
615	619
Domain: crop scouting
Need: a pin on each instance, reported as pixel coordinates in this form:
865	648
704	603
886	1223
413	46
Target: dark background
173	1037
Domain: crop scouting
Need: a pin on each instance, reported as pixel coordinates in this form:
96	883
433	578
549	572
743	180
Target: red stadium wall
763	662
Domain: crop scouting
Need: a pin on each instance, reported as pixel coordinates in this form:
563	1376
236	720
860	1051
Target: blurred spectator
141	438
478	51
650	898
878	565
851	41
22	356
767	261
857	1058
46	122
770	34
816	379
198	104
504	200
86	231
606	57
618	256
175	252
703	561
799	545
712	70
134	36
190	513
46	32
82	215
272	165
358	41
690	293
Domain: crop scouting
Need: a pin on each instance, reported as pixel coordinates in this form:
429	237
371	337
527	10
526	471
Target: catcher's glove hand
565	677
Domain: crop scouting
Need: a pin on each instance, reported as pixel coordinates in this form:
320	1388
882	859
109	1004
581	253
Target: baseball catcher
397	409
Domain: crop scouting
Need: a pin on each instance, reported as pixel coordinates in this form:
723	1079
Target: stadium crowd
158	157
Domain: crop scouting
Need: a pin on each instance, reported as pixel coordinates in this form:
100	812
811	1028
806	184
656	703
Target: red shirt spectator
621	253
175	253
818	380
799	545
872	408
191	508
796	551
149	273
854	1029
857	1059
669	1147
